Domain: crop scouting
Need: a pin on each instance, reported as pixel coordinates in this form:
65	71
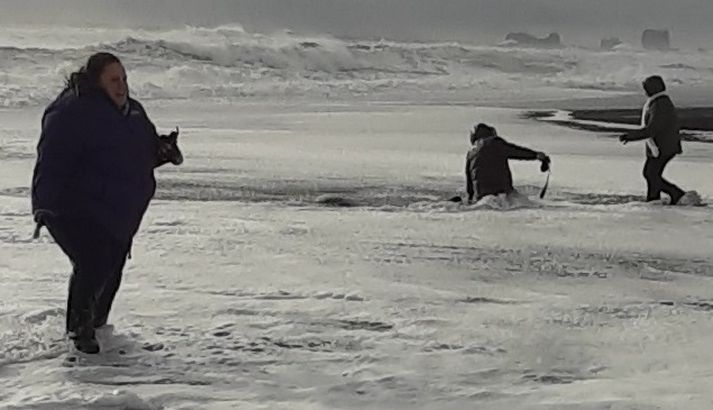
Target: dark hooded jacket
662	125
487	168
95	162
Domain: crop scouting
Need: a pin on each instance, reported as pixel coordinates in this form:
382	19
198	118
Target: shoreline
695	122
619	114
622	112
690	118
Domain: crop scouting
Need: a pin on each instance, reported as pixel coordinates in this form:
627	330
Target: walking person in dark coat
486	167
659	127
92	182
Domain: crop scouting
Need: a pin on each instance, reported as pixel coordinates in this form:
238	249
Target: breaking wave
229	62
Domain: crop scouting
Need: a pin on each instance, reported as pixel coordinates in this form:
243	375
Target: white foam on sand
249	289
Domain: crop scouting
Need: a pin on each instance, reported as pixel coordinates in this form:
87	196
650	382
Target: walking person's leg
672	190
88	247
653	168
105	298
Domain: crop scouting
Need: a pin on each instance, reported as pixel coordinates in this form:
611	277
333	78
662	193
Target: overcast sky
482	21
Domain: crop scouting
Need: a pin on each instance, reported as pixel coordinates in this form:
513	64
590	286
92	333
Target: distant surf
228	62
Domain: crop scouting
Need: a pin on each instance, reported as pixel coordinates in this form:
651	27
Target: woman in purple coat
92	183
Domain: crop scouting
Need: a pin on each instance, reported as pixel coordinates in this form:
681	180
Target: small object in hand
543	191
173	136
36	233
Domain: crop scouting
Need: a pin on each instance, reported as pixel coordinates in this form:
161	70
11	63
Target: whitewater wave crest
230	62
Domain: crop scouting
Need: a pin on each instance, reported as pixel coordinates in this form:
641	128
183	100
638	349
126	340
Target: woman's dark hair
87	77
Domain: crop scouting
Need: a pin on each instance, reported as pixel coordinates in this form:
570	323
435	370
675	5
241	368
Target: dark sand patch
694	121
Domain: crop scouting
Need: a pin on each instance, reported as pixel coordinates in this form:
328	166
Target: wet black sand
693	120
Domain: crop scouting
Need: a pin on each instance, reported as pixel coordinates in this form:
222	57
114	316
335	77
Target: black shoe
88	345
84	340
675	199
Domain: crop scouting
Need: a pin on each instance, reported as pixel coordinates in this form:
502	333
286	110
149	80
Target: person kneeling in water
486	164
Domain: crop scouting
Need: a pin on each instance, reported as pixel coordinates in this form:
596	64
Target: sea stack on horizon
656	39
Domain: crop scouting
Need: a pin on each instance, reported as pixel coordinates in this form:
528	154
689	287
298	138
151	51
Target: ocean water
230	63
